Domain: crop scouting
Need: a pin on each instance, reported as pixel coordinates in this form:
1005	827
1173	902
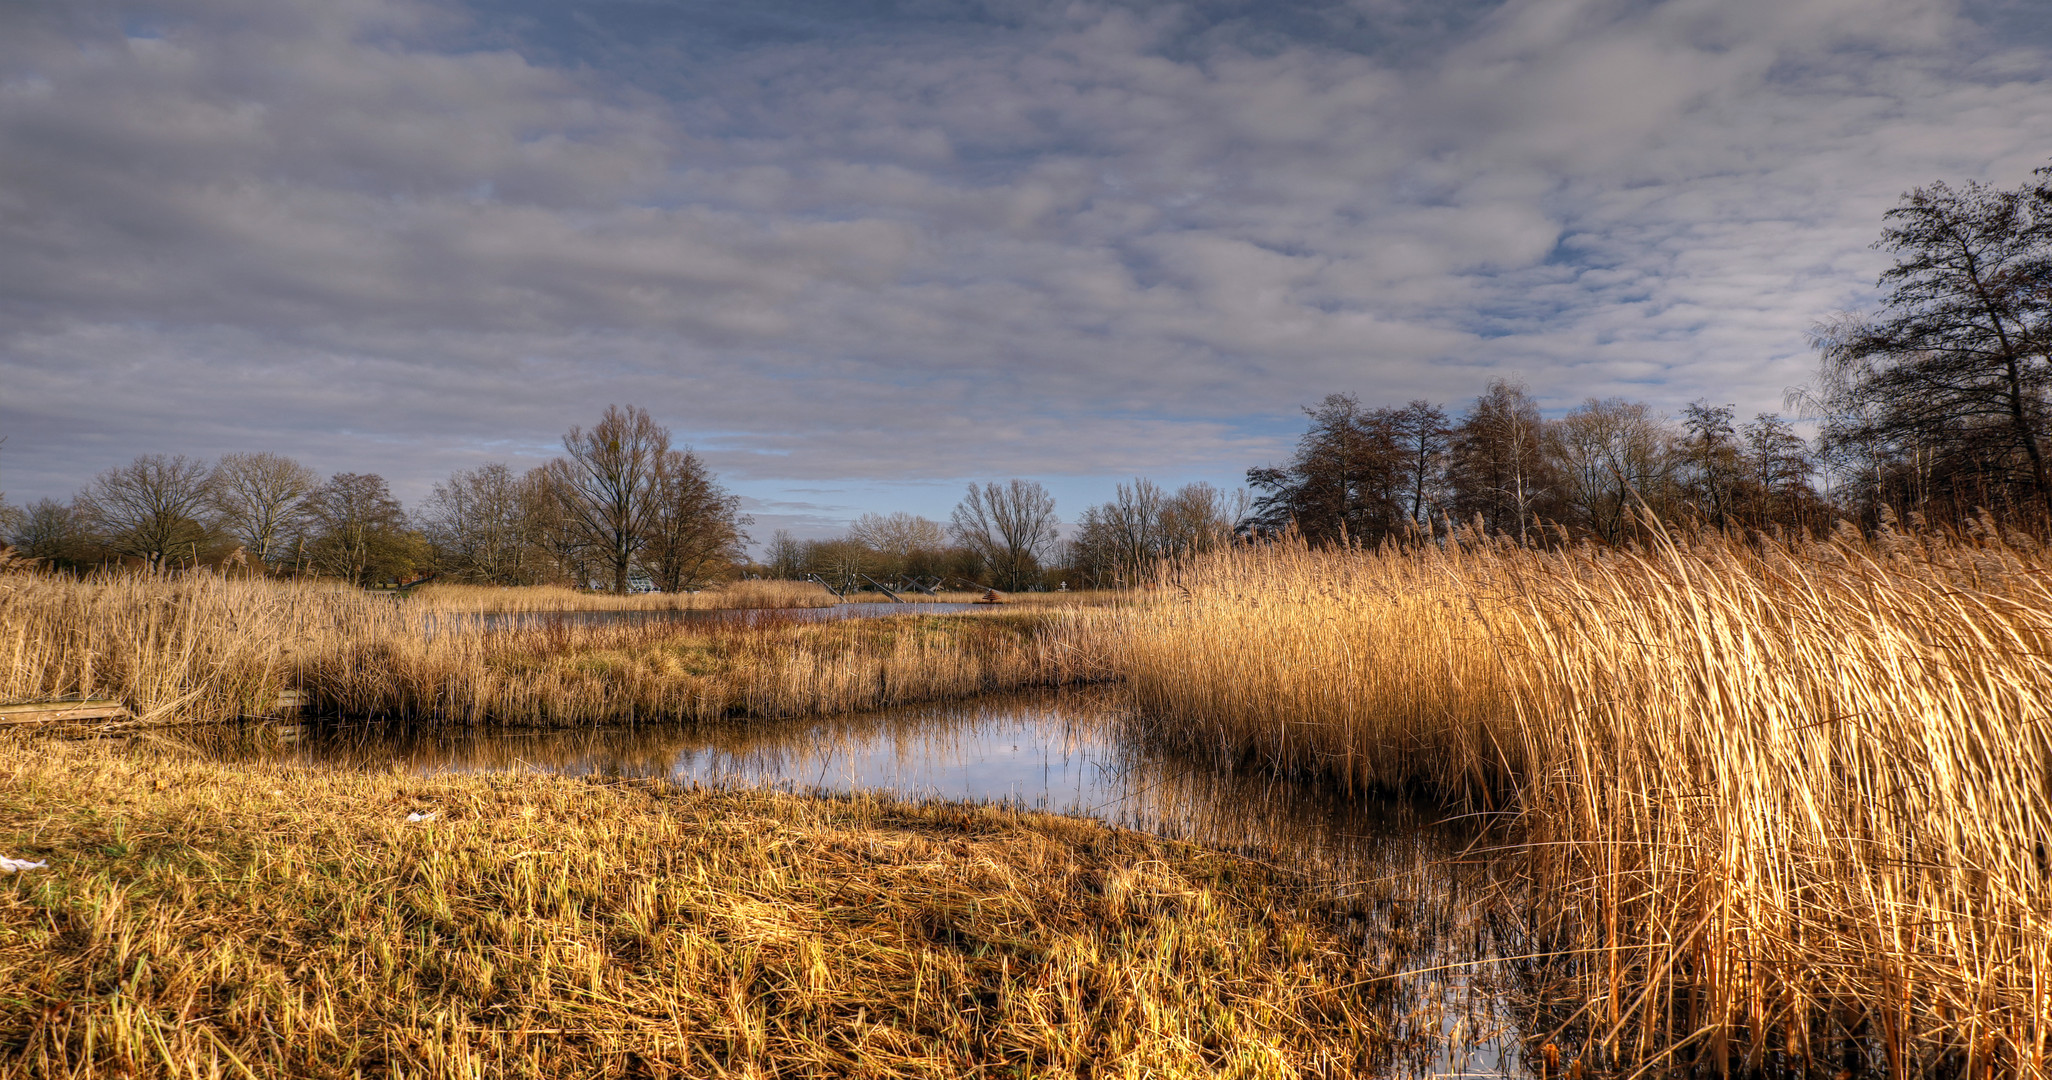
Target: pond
525	620
1419	883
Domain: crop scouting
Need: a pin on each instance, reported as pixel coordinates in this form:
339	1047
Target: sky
860	253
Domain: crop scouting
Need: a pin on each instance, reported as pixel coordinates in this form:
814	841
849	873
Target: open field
207	920
198	647
1776	797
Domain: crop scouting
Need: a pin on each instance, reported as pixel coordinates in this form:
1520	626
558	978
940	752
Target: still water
1420	882
527	620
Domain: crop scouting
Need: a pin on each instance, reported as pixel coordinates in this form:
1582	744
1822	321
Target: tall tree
155	508
359	532
608	487
784	555
261	499
1422	430
1712	475
1614	457
1008	526
478	522
906	545
1957	362
1346	479
695	526
1499	468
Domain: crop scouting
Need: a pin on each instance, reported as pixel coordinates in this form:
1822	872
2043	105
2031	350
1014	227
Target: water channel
1420	881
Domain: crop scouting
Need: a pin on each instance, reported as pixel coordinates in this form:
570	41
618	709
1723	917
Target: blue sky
859	254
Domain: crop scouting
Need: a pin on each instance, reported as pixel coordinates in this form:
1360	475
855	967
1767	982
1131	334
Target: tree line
1933	407
620	507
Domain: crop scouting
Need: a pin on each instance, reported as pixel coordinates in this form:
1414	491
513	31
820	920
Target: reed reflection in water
1403	877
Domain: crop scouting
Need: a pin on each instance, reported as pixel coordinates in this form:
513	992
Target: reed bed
496	599
1781	804
200	919
201	647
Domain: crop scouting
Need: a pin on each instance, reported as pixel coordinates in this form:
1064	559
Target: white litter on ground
15	866
429	816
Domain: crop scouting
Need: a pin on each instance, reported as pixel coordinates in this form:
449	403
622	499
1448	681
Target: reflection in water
1405	878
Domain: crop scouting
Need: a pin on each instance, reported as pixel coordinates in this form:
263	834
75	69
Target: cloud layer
910	244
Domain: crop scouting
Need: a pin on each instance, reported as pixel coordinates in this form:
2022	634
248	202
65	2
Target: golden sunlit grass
197	647
1774	795
200	919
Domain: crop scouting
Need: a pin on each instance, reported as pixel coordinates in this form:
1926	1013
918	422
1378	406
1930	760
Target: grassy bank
494	599
198	647
1777	797
198	919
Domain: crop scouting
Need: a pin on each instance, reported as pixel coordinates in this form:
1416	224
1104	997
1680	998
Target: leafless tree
695	529
784	555
1615	456
906	545
261	499
154	508
1008	526
358	530
608	487
478	522
1500	470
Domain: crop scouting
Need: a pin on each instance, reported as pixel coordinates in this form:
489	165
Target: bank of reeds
198	647
1778	800
200	919
496	599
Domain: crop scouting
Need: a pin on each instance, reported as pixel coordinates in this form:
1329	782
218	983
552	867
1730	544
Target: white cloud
387	234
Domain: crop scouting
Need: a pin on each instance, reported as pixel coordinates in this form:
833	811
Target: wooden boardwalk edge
48	712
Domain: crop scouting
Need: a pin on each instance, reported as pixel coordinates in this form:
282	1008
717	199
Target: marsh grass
200	919
496	599
1777	799
199	647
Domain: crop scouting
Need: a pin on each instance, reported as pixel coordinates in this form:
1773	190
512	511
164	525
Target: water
1417	888
525	620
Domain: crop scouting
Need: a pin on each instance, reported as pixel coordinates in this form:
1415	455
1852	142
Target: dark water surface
1419	884
527	620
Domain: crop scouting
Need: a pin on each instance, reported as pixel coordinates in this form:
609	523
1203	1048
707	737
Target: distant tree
261	500
478	523
1944	390
1711	474
839	561
1199	518
1499	469
1614	457
785	555
906	545
695	530
155	509
358	532
1009	527
55	533
1778	465
1347	478
1421	429
608	487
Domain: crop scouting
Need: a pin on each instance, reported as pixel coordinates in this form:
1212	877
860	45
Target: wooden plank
43	712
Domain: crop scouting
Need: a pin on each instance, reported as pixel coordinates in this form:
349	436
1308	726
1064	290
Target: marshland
1590	746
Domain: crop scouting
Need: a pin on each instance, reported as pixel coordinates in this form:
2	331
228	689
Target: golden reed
1775	797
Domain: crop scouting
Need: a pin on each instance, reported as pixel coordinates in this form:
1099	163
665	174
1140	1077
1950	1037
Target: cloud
972	240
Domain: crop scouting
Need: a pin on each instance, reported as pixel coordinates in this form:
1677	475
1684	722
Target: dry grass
198	647
207	920
1778	797
530	598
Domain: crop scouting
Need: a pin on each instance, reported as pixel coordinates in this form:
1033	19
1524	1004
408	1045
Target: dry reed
1777	797
199	647
200	919
535	598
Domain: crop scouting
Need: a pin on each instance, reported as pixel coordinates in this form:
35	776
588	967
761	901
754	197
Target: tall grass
492	599
1775	795
197	646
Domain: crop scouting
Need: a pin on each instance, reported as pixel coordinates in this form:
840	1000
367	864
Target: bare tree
154	508
1499	466
784	555
1614	456
1008	526
1956	368
478	522
608	487
261	499
54	533
359	530
695	527
1199	518
906	545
